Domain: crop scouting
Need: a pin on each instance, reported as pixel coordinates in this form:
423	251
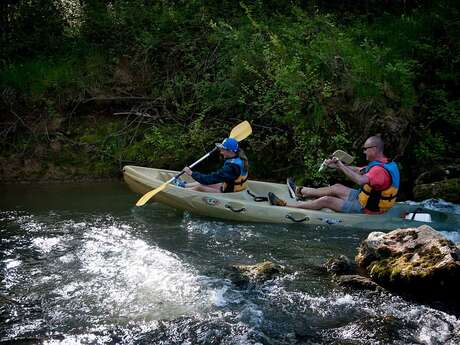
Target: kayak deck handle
236	210
289	216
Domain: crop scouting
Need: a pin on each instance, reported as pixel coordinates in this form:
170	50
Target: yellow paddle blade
241	131
147	196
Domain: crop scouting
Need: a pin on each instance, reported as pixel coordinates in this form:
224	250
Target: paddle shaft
192	165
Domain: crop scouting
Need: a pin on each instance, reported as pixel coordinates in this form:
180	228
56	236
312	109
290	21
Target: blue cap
229	144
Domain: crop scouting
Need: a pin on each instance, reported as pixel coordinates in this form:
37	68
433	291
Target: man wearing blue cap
231	177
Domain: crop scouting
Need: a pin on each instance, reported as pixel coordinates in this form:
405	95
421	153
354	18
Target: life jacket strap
390	197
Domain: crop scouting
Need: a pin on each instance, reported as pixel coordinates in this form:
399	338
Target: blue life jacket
382	200
239	183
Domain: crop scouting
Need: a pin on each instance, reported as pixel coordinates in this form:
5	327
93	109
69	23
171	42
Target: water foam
131	279
437	205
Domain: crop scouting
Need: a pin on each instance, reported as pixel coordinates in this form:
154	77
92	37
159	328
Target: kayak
251	205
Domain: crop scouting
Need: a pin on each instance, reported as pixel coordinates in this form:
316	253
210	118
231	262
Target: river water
80	264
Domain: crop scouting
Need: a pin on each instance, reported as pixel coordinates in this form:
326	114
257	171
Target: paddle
341	155
239	132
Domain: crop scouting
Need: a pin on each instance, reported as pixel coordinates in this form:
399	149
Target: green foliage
162	143
174	146
311	77
63	78
430	150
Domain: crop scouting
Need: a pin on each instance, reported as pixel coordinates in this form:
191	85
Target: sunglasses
368	147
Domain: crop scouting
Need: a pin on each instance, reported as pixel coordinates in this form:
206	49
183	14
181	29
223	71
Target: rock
438	173
344	271
358	282
448	190
340	265
417	260
242	274
441	182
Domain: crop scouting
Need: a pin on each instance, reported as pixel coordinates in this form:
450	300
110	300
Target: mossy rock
256	273
417	261
448	190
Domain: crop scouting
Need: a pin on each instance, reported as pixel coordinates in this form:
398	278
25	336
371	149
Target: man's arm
355	169
351	172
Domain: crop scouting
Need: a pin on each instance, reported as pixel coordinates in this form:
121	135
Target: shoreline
61	181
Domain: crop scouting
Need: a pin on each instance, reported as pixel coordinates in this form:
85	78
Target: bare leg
338	191
325	201
192	184
212	188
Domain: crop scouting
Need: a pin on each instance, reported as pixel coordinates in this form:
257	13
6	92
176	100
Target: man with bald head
378	181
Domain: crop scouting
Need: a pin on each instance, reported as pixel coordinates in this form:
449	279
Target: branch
136	113
109	99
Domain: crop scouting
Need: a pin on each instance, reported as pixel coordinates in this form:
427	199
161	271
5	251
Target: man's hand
351	173
333	162
188	171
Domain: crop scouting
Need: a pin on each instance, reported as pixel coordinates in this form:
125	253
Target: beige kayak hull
241	206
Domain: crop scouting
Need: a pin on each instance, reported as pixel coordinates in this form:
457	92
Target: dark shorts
352	205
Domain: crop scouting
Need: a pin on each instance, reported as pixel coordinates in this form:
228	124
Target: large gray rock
417	260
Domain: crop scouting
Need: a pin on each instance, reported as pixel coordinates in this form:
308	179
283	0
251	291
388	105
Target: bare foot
306	191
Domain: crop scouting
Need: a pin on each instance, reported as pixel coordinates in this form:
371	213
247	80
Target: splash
437	205
102	275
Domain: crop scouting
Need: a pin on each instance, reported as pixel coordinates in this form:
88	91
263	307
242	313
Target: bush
312	78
